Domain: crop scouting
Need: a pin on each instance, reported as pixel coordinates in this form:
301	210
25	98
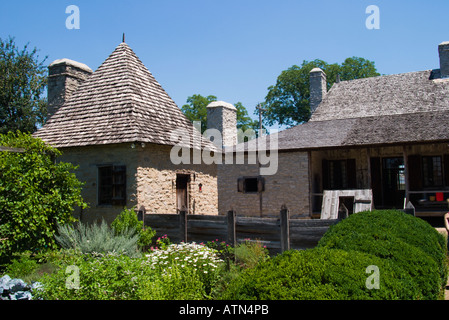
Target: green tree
196	110
287	102
23	79
36	194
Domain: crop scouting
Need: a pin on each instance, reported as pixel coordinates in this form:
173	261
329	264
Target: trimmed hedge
321	274
408	241
411	257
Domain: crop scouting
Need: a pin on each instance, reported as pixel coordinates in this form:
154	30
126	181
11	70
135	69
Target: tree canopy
23	78
287	102
195	110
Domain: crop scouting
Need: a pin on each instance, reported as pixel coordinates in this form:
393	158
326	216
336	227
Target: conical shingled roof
120	102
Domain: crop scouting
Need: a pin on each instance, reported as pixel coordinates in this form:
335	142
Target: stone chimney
222	116
443	50
64	76
318	88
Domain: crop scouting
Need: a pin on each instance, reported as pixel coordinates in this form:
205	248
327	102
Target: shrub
105	277
249	253
318	274
174	283
36	193
421	267
391	234
127	220
98	238
22	266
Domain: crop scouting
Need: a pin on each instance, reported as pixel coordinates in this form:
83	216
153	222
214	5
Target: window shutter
414	172
260	184
119	185
376	180
351	173
240	182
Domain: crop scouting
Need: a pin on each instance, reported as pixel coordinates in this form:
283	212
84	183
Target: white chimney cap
216	104
316	70
72	63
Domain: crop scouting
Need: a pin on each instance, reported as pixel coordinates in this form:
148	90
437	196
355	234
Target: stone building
385	134
120	127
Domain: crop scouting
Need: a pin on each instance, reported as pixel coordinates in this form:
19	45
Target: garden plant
338	268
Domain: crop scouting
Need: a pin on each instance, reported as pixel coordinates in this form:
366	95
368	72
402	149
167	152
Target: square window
112	185
251	184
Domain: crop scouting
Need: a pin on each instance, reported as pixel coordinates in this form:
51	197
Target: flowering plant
191	257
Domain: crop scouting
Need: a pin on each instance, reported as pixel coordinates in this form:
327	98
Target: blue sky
232	49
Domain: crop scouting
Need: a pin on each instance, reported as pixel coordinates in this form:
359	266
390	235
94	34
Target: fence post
232	237
285	229
183	225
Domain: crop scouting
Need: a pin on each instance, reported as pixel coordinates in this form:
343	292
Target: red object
439	196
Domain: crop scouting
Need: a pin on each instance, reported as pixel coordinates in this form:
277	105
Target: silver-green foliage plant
98	239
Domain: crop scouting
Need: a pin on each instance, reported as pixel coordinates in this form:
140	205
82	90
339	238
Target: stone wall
289	186
150	181
88	159
156	183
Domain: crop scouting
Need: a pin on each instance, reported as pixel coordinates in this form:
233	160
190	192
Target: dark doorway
388	182
182	192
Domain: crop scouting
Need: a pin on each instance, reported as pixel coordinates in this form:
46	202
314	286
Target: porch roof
420	127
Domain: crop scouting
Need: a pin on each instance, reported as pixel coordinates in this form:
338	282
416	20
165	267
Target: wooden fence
278	234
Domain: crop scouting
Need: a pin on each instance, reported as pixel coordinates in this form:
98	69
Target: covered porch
396	175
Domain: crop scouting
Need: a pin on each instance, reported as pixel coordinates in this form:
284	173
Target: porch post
407	187
368	158
311	190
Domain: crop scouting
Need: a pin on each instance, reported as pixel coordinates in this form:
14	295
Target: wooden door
182	192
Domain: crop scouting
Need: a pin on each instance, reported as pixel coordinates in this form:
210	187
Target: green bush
30	267
36	193
421	267
127	220
106	277
98	238
321	274
21	266
175	283
249	253
406	240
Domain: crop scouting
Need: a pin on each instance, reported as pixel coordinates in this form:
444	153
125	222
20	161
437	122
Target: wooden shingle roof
416	128
120	102
387	110
403	93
